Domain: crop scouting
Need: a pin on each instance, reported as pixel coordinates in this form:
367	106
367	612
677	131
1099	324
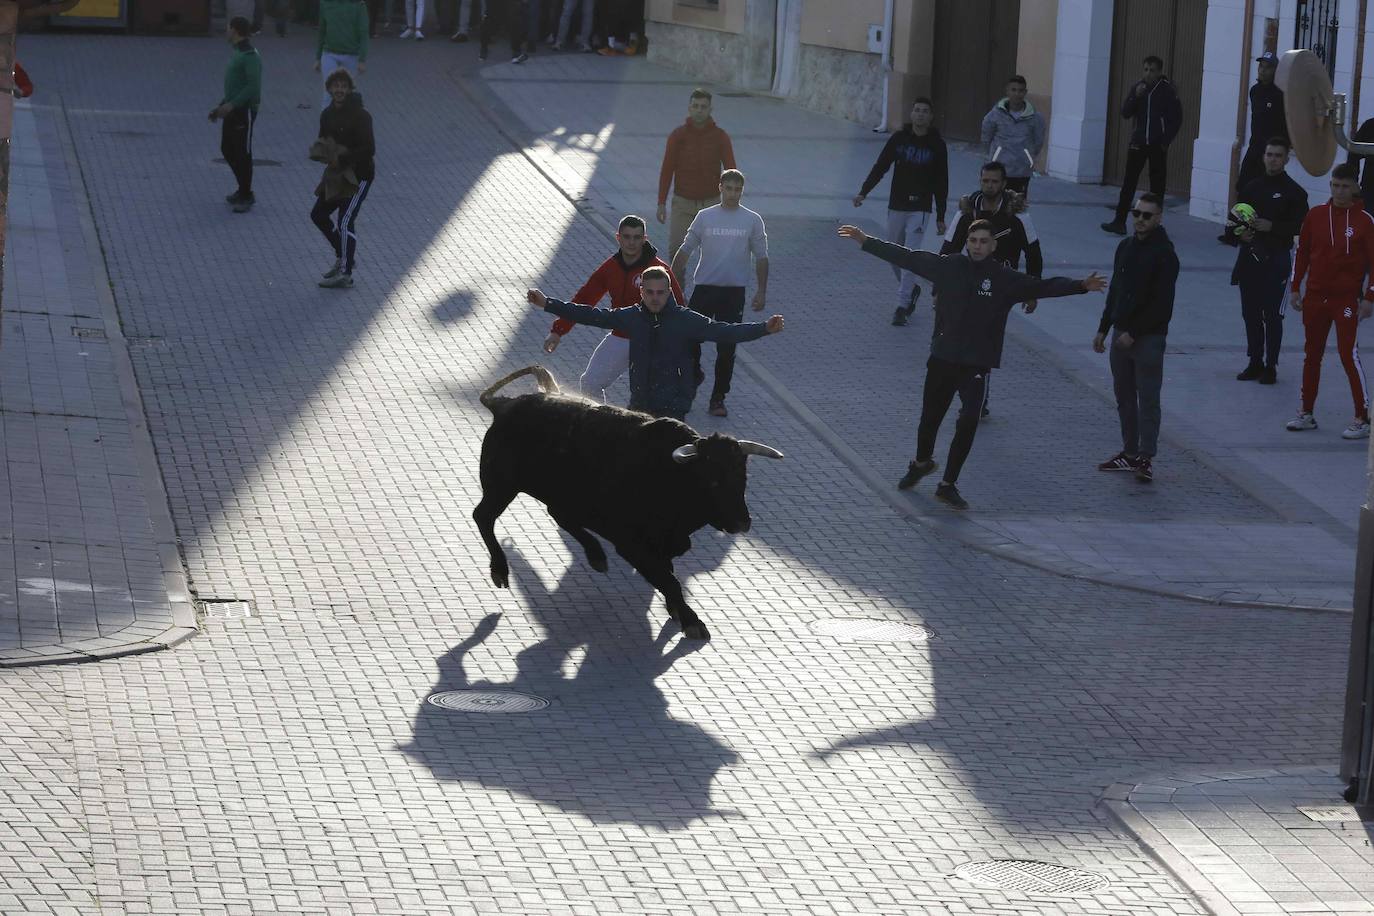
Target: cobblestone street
319	453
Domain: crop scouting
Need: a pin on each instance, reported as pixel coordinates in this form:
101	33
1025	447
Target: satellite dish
1310	109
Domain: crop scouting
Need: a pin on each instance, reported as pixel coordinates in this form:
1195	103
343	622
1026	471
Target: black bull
643	484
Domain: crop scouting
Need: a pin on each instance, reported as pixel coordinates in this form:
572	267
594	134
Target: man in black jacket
920	177
348	124
1265	261
1012	230
976	296
1139	306
1153	106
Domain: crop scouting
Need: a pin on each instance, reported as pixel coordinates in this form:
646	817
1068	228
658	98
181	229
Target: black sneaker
948	494
899	317
1251	373
1269	376
244	204
1119	462
1114	227
231	198
1144	472
915	470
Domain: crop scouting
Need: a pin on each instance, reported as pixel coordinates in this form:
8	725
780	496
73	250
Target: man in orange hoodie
697	152
619	276
1336	254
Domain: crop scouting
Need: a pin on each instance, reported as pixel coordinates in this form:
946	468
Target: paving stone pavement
88	565
318	450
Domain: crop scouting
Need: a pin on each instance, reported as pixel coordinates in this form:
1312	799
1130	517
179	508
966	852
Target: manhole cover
227	608
1033	877
79	331
490	701
1332	814
871	630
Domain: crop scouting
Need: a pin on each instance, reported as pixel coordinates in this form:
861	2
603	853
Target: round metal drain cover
488	701
1033	877
872	630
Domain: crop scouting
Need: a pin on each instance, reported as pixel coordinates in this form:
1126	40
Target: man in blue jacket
1153	106
662	332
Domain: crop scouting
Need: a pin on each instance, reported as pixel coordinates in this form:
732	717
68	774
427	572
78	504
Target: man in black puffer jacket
348	124
1153	108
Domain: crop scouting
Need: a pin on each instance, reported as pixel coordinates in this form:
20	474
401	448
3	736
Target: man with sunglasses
1140	303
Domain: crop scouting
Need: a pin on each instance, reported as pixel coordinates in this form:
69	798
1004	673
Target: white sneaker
419	36
1303	420
408	33
1357	430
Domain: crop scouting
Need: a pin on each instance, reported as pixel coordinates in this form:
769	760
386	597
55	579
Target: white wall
1222	57
1082	74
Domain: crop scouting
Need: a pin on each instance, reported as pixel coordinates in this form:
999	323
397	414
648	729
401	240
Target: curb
965	531
140	638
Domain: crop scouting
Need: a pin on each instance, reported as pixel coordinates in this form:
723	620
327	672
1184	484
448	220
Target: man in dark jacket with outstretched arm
976	295
1153	108
1139	306
661	333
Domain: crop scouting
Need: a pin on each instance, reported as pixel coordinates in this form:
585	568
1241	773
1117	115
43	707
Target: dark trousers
1251	164
943	381
1136	158
274	8
1137	376
507	15
336	219
236	146
1263	282
1019	185
720	303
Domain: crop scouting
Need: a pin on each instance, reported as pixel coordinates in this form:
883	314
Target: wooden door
975	52
1173	30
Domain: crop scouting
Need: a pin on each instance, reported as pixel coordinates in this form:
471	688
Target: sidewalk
88	562
1242	511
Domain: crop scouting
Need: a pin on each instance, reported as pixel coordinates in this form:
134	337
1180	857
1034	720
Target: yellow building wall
1035	47
728	18
843	26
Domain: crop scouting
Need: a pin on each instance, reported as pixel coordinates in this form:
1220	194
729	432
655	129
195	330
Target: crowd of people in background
655	333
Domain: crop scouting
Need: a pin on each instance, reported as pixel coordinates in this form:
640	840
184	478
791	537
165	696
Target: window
1316	29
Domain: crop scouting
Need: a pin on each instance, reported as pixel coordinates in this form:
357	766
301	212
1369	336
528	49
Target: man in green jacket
341	40
238	111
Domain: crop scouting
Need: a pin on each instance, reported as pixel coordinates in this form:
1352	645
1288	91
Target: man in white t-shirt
729	237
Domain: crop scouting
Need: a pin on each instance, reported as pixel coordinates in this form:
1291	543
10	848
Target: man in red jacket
1336	253
697	152
619	276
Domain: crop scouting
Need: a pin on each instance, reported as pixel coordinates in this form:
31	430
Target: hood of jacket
692	125
1027	112
646	257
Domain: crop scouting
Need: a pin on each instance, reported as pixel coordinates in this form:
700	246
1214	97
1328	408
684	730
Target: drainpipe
889	13
1242	134
1354	116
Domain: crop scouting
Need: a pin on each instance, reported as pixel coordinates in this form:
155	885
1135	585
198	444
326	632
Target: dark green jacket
343	28
243	77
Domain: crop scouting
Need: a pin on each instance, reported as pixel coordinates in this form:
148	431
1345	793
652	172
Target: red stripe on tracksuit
1336	254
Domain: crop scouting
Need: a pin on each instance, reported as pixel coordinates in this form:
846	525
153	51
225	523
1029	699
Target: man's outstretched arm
921	263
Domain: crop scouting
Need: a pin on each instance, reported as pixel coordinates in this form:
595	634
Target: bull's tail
541	375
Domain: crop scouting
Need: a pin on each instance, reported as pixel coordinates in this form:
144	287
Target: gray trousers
1137	376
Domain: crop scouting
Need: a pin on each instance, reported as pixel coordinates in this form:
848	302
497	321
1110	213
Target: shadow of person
454	307
607	747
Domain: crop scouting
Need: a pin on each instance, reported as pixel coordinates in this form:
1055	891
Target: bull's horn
755	448
685	453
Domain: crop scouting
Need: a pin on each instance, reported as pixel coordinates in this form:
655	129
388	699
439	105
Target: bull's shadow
607	747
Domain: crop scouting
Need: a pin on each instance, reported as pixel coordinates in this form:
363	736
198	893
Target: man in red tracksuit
1336	254
619	276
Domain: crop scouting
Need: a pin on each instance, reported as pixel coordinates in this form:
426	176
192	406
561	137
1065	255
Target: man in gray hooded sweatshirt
1014	133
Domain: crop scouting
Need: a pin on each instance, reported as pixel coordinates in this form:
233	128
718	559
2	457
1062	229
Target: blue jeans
1137	376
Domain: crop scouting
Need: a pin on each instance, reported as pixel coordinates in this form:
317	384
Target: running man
920	177
729	237
619	275
976	296
1336	255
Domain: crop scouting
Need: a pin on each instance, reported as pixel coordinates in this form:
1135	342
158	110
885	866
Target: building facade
866	60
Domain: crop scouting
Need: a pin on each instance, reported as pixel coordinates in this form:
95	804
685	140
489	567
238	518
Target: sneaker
585	47
1144	472
231	198
1269	376
717	409
1251	373
419	36
1303	420
915	470
1119	462
482	53
899	317
339	281
520	58
948	494
459	36
1357	430
243	204
408	33
334	271
1114	227
557	46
